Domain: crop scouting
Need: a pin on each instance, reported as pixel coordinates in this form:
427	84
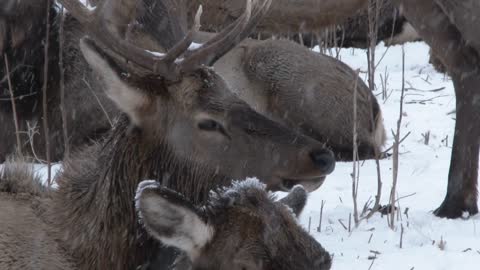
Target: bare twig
373	30
44	96
99	102
309	223
319	228
61	38
401	236
421	90
356	167
17	97
396	146
343	225
422	101
404	137
32	130
426	137
14	106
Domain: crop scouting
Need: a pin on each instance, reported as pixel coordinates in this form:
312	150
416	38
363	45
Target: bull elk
239	226
180	124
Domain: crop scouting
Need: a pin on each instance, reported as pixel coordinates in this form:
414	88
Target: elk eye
210	125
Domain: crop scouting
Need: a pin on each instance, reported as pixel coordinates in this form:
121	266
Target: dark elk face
240	228
188	107
194	113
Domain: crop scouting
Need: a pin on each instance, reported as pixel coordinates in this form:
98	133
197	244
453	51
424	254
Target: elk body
180	124
303	15
309	92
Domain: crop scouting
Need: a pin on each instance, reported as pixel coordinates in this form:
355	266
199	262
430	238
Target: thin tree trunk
44	96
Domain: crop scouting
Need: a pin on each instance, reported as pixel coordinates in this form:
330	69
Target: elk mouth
310	184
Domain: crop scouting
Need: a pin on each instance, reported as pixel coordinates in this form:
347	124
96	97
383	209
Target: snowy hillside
423	170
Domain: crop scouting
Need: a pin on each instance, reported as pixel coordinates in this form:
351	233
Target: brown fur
26	241
239	227
284	17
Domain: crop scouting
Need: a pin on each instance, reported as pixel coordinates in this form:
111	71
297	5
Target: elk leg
463	175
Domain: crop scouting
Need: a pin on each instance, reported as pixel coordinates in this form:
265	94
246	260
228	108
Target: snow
423	171
195	46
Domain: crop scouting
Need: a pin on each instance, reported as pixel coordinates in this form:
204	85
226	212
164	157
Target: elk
449	28
303	15
180	124
309	92
243	211
239	227
351	28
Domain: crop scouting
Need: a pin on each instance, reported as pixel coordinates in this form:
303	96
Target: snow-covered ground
429	243
423	171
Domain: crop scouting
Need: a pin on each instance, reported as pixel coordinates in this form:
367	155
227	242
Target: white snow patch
423	172
195	46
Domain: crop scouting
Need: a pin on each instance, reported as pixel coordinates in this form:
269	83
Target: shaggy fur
18	176
26	242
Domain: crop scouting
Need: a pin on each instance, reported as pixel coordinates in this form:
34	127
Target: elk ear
296	199
127	98
170	218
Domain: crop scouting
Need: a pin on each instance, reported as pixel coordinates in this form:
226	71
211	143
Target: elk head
175	98
240	227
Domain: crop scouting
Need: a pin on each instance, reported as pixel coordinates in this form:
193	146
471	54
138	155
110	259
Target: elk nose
324	160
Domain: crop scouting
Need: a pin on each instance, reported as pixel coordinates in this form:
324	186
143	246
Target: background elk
180	124
351	29
88	112
239	227
307	91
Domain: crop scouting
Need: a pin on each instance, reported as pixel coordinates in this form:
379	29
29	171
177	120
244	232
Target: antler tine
81	12
185	43
229	37
136	60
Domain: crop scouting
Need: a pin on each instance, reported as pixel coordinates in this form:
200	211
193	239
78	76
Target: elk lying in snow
240	227
307	91
180	124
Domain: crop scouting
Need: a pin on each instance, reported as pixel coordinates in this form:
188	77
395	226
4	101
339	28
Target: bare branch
14	106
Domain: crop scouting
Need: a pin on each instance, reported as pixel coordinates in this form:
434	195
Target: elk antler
107	24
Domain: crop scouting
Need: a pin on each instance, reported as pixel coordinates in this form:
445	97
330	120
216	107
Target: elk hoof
456	208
